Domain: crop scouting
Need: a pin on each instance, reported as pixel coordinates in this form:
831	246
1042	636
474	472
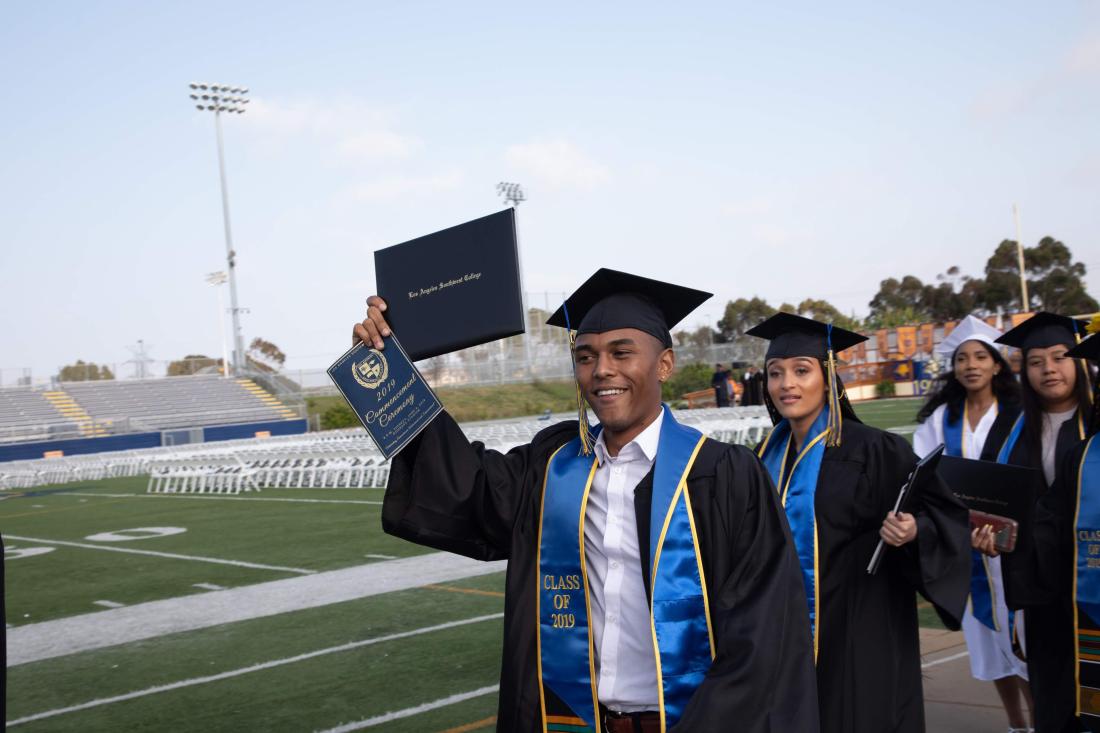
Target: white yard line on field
944	660
170	555
219	497
253	668
409	712
49	639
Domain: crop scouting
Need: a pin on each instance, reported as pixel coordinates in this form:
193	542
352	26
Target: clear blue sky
810	150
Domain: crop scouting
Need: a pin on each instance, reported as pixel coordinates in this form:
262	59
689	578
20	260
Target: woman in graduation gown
838	480
1056	404
971	412
722	597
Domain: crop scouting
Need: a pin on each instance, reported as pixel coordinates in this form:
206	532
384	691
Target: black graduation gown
1041	584
868	665
452	495
718	382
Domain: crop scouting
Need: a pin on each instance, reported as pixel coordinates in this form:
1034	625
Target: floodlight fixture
512	193
214	100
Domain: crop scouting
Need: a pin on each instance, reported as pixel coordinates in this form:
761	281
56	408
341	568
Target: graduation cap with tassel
611	300
791	336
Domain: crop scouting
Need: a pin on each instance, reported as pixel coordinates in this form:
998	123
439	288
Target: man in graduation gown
652	582
838	481
719	383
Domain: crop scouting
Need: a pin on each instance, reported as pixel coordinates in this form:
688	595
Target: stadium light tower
219	98
514	196
512	193
217	279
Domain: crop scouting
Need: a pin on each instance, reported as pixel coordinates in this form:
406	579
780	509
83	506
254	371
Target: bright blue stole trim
1012	439
797	493
981	588
1086	583
1087	533
565	638
680	622
681	619
953	434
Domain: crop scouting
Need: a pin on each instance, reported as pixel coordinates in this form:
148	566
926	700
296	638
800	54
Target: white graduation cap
969	329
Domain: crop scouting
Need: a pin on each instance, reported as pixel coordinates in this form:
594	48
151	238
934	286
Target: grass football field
278	610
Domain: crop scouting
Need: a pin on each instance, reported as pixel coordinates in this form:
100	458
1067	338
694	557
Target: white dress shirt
625	661
1052	423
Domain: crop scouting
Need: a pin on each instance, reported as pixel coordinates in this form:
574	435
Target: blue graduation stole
1086	582
797	492
680	613
981	585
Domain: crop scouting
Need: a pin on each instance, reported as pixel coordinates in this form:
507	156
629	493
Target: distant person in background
718	383
971	411
748	387
757	385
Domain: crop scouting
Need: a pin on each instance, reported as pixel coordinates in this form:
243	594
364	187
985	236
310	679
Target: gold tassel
587	444
836	421
1092	328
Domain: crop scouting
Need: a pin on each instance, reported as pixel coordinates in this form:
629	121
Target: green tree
193	364
823	310
82	371
899	295
338	416
265	352
902	316
686	378
1054	281
741	315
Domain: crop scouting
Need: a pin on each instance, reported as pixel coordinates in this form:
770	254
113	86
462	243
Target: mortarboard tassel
1092	328
836	421
584	433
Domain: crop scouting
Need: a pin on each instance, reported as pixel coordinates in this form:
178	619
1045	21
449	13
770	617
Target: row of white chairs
332	458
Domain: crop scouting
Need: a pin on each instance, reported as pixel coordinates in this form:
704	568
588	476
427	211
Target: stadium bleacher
26	414
98	408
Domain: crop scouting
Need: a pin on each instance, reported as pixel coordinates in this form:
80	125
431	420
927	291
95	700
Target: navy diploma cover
386	392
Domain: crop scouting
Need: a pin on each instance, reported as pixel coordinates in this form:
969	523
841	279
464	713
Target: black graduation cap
792	335
611	299
1044	330
1087	349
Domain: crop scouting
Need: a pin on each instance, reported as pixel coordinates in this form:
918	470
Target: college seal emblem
372	370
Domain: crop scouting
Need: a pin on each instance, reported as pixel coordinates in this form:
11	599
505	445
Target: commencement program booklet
386	392
453	289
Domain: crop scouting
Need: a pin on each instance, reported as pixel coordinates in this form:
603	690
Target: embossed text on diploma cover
386	392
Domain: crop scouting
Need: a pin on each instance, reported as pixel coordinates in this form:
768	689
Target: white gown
991	656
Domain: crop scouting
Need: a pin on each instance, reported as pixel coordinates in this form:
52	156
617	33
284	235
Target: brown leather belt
614	722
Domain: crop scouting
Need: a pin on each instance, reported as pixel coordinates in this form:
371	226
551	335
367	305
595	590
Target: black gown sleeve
448	493
937	563
762	677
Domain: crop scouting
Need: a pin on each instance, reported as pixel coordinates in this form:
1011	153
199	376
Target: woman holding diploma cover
652	581
973	408
1056	405
838	481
